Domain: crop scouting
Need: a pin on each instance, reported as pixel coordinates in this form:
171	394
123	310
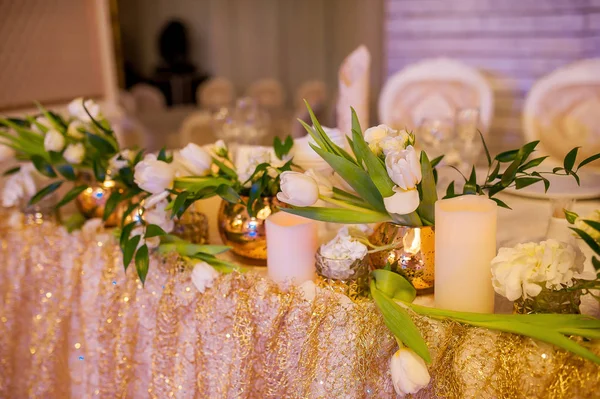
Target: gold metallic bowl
91	201
412	254
246	235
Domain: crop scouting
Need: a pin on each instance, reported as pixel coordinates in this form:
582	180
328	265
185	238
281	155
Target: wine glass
467	132
436	136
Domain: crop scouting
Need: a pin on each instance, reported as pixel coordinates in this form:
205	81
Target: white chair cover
215	93
268	93
197	128
434	88
563	110
148	98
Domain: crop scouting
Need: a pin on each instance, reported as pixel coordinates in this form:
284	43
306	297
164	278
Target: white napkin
354	89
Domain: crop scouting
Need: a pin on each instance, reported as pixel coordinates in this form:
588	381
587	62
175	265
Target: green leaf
162	155
67	171
450	191
111	204
55	157
507	156
228	194
49	189
471	184
595	246
338	215
254	196
356	177
142	261
487	152
225	169
125	233
129	250
282	148
571	216
153	230
394	285
593	224
138	157
11	171
500	203
178	203
355	121
74	192
435	162
569	160
335	149
494	173
532	164
522	182
128	211
596	263
186	248
102	145
588	160
400	324
557	169
42	166
99	171
375	167
74	222
428	191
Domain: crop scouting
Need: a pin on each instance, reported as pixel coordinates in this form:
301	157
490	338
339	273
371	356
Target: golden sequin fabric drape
74	325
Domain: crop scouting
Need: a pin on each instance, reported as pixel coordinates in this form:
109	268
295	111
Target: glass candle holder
345	276
550	301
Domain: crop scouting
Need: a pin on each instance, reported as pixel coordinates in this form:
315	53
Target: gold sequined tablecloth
74	325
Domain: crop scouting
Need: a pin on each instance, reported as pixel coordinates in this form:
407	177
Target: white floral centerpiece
341	257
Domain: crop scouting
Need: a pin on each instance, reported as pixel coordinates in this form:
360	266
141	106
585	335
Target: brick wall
513	42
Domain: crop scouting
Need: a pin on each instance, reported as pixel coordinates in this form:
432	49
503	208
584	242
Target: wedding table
74	324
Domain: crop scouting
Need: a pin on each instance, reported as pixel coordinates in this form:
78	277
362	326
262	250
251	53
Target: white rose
404	168
409	372
325	185
193	160
74	153
6	153
19	186
73	130
203	276
154	176
76	109
298	189
54	141
344	247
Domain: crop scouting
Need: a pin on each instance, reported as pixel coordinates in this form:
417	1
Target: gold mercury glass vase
246	235
345	276
91	201
411	253
550	301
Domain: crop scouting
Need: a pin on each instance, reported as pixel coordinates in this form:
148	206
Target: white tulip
298	189
74	153
203	276
402	202
19	186
154	199
392	144
76	109
6	153
409	372
404	168
154	176
54	141
325	185
193	160
73	130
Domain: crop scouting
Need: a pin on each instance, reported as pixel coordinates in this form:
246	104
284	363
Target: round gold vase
91	201
246	235
412	253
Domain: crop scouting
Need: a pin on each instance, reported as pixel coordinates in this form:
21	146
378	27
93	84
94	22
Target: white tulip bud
404	168
409	372
54	141
298	189
74	153
325	185
203	276
193	160
154	176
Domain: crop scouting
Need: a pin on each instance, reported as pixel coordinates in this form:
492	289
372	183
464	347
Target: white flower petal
402	202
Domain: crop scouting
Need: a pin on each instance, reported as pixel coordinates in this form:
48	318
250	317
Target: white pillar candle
291	247
465	244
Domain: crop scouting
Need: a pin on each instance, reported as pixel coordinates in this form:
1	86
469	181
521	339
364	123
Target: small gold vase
246	235
192	226
412	253
91	202
550	301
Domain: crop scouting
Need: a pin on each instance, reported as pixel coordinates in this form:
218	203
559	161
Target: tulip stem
343	204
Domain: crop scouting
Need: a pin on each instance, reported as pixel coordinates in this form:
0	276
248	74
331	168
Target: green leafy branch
514	169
